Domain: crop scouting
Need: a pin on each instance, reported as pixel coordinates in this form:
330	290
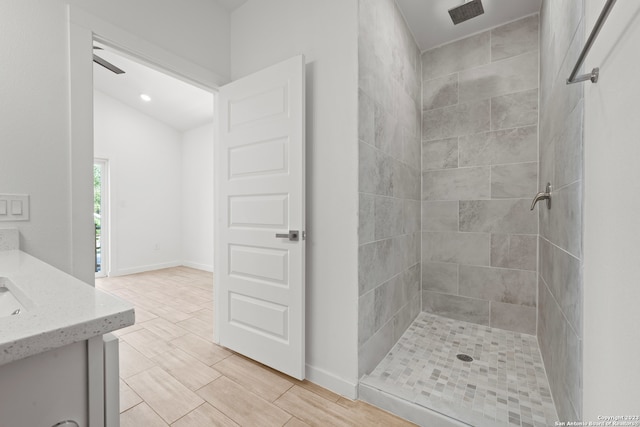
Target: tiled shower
454	142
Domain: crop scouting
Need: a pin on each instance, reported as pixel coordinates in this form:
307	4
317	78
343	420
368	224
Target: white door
260	193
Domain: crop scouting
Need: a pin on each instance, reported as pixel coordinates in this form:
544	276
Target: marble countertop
60	309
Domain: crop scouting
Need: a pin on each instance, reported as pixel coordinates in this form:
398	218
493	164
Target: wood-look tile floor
172	374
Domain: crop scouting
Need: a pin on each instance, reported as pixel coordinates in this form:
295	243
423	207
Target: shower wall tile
457	307
440	277
440	154
499	147
564	221
561	351
377	263
514	317
389	217
499	78
515	38
463	248
498	216
366	218
387	133
459	55
514	110
560	289
366	124
372	351
440	92
460	119
562	274
389	174
440	216
568	149
366	317
456	184
514	251
412	216
514	181
498	284
405	181
411	150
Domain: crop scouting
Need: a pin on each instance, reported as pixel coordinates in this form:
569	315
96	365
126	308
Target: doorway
101	216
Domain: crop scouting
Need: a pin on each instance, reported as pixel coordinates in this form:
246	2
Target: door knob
543	196
293	235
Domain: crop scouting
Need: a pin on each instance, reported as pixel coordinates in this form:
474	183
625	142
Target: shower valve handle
543	196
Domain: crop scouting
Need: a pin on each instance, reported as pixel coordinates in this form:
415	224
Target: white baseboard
143	268
330	381
197	266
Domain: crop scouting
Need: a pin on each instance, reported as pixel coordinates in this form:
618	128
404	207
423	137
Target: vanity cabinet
46	388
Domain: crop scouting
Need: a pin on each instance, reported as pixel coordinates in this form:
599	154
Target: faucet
543	196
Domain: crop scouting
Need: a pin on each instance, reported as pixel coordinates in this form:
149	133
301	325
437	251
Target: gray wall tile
498	216
456	184
464	248
457	307
460	119
514	251
514	181
440	92
460	55
412	218
562	274
513	317
498	284
388	137
375	348
366	317
366	126
498	78
411	145
568	149
503	146
389	217
515	38
565	219
440	277
377	263
366	218
514	110
440	216
440	154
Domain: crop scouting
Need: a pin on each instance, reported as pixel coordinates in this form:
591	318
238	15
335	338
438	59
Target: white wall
197	30
34	139
197	197
145	164
264	33
34	93
612	203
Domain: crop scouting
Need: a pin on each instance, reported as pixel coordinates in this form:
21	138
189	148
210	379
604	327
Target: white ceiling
431	24
232	5
173	102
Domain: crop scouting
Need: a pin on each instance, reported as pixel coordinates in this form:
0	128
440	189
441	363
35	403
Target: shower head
464	12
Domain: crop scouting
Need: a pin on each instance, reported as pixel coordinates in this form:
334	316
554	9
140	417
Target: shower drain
465	357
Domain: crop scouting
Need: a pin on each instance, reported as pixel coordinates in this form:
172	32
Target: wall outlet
14	207
156	247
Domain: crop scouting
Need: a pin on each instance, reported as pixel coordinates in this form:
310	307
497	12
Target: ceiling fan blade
108	65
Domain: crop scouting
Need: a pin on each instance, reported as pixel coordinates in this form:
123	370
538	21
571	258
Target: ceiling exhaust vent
469	10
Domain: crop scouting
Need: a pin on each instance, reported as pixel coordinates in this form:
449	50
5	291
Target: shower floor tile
505	384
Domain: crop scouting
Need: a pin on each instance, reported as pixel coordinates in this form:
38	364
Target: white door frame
84	28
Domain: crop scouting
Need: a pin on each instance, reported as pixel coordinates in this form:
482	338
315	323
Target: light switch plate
15	207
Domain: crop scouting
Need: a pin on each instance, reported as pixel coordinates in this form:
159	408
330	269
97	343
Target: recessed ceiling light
145	97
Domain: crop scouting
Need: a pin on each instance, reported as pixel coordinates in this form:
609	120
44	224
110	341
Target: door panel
260	186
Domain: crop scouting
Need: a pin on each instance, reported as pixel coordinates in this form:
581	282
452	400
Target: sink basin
10	305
